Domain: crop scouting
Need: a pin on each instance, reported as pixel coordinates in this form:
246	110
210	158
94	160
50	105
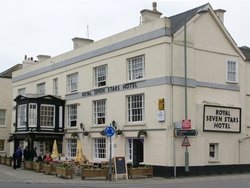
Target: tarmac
8	174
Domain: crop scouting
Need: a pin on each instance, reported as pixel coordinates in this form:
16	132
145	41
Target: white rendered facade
123	78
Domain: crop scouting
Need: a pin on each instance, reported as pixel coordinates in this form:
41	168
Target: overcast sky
35	27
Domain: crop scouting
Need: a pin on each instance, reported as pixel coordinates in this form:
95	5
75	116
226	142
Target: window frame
19	118
55	86
34	116
99	119
40	88
213	151
21	91
54	113
71	147
100	149
132	69
3	118
131	110
70	120
72	82
98	75
233	72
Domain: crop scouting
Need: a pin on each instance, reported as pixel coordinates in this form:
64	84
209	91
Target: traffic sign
109	131
186	124
185	142
185	132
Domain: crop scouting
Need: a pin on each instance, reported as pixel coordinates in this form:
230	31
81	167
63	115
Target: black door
137	152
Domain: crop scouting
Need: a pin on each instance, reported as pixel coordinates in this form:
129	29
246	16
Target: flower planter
28	165
98	172
64	172
37	167
2	160
140	171
49	169
8	161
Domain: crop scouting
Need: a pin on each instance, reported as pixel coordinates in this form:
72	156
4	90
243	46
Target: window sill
72	93
98	126
232	82
139	124
213	161
70	128
3	126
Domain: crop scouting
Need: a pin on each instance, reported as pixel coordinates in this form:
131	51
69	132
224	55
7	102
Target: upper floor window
32	115
99	112
55	86
101	75
47	116
22	115
72	115
100	148
136	68
2	117
135	108
40	88
72	80
21	91
232	71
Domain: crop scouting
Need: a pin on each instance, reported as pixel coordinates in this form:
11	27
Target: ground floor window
71	149
1	145
213	151
100	148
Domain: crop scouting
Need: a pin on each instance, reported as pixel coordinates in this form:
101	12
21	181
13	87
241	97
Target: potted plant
141	133
64	171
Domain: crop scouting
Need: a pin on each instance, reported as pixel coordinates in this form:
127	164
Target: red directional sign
186	124
185	142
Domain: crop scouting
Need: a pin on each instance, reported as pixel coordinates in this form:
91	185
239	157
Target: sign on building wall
222	119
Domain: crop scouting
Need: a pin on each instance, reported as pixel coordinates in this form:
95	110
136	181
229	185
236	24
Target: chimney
79	42
220	14
150	15
42	58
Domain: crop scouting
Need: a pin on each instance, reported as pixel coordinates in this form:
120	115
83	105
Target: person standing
18	156
33	154
26	154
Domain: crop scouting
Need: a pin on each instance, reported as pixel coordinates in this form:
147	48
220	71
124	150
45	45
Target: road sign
185	132
185	142
109	131
186	124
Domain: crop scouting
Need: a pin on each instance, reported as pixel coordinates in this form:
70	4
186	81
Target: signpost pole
110	158
186	161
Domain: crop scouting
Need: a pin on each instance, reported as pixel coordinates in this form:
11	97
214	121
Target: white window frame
47	117
136	68
99	111
55	86
72	82
40	88
72	115
3	117
22	115
101	73
233	73
21	91
71	147
213	151
32	115
129	150
100	149
132	108
41	147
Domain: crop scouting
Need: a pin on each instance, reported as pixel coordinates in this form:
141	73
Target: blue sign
109	131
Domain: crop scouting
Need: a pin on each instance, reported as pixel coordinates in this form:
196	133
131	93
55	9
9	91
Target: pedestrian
33	154
26	154
18	156
14	160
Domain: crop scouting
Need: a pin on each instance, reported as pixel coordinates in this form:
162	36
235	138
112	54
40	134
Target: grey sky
34	27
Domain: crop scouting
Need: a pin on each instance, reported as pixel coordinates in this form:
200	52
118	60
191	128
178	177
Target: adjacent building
6	108
144	82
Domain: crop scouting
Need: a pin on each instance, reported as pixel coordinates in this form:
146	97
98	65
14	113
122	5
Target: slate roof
177	21
8	73
246	51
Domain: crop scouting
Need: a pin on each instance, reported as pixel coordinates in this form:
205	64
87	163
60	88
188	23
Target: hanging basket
119	132
141	133
74	135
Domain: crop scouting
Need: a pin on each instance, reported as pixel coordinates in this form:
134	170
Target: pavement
8	174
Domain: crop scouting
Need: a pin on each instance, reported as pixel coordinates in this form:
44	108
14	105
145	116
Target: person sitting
48	158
